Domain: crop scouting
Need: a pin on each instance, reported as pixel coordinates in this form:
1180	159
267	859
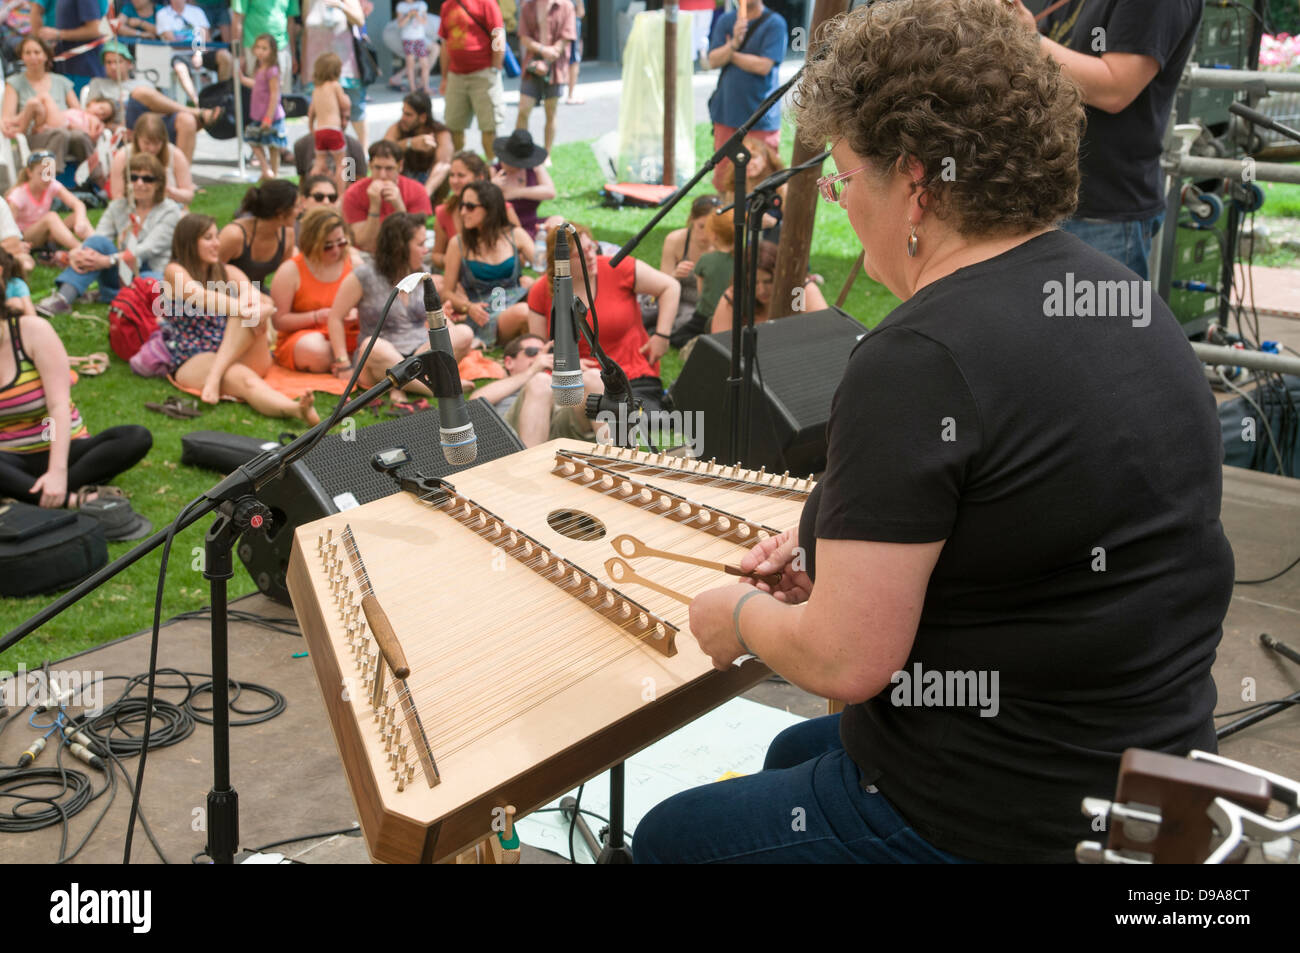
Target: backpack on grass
131	319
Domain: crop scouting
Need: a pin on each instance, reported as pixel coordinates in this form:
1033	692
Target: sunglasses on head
341	243
325	196
141	177
36	157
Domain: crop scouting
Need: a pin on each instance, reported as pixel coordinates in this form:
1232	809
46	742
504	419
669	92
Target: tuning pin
329	534
509	832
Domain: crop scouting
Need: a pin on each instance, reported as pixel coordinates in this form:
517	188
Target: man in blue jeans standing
1127	57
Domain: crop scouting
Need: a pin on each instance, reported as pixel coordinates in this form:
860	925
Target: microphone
566	371
459	445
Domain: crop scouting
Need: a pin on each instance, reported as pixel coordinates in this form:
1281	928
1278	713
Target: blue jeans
1129	243
807	805
110	282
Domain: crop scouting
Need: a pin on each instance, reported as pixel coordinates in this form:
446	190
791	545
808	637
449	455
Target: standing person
1128	88
222	351
47	456
261	236
484	269
749	45
255	17
303	291
412	15
575	54
266	129
134	237
54	93
474	41
69	24
327	28
427	142
329	104
383	192
150	135
181	22
913	554
546	31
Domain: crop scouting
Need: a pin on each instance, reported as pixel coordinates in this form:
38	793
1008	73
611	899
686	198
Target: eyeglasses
832	186
150	179
325	196
341	243
470	206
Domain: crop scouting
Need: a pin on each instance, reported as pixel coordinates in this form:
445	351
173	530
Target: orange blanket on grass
296	383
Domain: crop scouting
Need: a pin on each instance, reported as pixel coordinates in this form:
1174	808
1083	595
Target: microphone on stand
459	444
566	371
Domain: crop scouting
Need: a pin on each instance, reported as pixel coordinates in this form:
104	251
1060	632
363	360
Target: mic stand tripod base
610	848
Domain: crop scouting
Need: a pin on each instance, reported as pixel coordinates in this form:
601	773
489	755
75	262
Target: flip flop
176	408
92	365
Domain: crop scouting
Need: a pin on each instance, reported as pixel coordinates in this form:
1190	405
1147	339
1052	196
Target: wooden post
800	199
670	92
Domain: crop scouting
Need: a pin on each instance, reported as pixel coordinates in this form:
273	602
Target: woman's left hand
478	314
53	488
711	623
654	348
211	392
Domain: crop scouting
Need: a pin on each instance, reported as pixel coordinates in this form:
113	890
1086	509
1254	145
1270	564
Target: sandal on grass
178	408
85	494
92	365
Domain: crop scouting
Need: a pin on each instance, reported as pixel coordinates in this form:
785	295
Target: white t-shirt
8	227
183	25
413	29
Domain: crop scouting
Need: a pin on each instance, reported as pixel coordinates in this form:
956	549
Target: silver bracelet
735	620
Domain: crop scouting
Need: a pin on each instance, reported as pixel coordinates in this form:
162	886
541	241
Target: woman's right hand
211	392
683	269
478	313
784	555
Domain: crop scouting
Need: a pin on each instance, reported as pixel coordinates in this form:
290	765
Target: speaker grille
341	462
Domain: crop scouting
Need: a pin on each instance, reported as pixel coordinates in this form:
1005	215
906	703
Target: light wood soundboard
531	670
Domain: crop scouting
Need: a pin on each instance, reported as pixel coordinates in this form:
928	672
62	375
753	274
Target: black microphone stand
235	500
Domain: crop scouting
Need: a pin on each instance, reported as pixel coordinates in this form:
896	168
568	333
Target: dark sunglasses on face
470	206
324	196
532	351
341	243
139	177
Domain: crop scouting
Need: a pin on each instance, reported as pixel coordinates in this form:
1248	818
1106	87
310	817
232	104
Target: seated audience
304	154
427	142
520	177
484	265
683	248
221	351
385	191
764	308
763	161
622	335
399	253
714	273
261	236
11	238
38	90
304	289
47	456
466	167
150	136
180	22
134	237
181	122
314	191
523	397
32	202
18	297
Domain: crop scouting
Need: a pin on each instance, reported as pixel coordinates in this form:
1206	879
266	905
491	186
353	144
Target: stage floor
290	781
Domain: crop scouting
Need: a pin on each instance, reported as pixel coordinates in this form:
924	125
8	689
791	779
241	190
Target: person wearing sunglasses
1013	498
134	237
399	252
304	289
528	361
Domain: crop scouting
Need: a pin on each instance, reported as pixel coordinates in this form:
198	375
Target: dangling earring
912	243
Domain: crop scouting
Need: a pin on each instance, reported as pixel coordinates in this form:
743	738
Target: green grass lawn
160	485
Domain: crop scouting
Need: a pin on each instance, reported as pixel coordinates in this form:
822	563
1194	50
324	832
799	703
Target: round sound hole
575	524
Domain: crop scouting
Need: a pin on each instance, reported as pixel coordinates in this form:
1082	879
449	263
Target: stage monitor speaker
337	475
800	362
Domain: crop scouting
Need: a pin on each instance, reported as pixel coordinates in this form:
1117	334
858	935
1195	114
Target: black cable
287	626
256	715
1255	707
1255	582
295	840
111	730
21	820
573	823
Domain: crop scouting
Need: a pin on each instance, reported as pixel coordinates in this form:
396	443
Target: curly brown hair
965	90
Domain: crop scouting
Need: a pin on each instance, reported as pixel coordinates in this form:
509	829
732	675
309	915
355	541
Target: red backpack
131	318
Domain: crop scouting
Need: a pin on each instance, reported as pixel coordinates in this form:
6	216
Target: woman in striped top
46	454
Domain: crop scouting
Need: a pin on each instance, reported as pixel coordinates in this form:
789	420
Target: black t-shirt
1119	156
1073	464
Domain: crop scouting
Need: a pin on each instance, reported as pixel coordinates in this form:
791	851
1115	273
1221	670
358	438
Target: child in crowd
18	297
413	16
326	115
32	202
266	130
